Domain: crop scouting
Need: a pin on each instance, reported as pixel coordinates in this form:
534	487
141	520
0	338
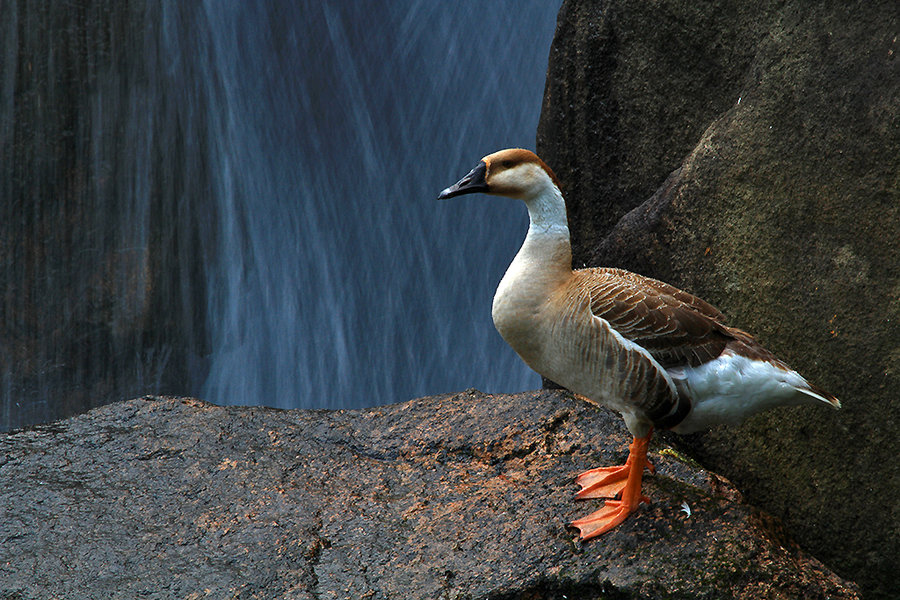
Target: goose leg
607	482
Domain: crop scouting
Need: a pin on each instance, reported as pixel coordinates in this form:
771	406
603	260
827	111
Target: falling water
342	281
270	169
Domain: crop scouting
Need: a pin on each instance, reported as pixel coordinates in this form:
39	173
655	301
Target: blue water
341	281
236	199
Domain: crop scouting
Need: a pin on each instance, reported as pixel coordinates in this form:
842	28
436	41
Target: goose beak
470	184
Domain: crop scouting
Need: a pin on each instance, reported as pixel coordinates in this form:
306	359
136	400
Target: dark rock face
771	135
458	496
630	90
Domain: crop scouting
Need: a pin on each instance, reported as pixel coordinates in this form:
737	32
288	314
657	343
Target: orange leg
607	482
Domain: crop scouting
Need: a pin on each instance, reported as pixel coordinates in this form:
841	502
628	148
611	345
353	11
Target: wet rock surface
456	496
748	154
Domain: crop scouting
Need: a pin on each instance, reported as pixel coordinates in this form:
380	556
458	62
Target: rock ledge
457	496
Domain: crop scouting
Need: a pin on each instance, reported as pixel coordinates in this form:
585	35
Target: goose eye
507	163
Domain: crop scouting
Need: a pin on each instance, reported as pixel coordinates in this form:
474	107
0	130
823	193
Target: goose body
659	356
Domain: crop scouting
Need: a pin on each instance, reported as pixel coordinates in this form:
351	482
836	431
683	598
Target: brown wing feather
593	362
675	327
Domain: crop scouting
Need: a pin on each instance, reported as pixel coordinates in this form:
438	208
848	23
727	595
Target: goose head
514	173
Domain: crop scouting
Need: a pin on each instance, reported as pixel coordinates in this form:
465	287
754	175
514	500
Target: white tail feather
831	401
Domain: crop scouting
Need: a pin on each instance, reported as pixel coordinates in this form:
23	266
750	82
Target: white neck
546	250
547	211
543	263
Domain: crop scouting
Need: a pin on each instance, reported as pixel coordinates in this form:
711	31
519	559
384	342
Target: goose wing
586	354
673	326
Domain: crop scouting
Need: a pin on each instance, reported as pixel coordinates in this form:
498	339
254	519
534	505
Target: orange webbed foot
605	482
608	482
602	482
608	517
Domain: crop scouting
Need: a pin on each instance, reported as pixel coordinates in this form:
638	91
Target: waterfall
258	189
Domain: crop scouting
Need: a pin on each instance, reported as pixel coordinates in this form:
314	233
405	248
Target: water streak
237	199
342	282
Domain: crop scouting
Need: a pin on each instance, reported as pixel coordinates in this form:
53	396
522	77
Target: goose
659	356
